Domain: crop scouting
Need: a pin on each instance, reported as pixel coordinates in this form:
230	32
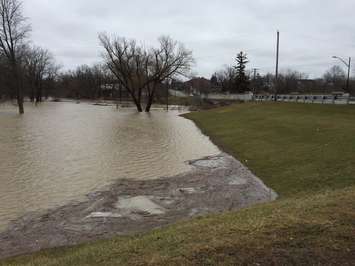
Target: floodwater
59	152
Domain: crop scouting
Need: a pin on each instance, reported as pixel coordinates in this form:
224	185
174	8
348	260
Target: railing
214	96
300	98
320	99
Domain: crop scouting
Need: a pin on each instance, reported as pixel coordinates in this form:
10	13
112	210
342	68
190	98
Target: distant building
200	85
113	91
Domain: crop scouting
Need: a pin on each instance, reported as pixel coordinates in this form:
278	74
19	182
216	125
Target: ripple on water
59	152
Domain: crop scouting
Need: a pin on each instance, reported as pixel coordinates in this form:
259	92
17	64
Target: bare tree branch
13	33
140	70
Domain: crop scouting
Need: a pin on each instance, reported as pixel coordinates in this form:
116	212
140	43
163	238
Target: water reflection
59	152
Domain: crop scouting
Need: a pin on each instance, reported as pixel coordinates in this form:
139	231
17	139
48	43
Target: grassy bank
293	148
304	152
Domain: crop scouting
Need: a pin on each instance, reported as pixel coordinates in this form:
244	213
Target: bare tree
84	82
289	81
169	61
4	79
13	32
140	70
226	78
99	77
51	78
125	60
335	77
38	65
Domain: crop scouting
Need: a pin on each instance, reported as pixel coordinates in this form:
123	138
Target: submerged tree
85	82
242	80
38	65
140	70
13	33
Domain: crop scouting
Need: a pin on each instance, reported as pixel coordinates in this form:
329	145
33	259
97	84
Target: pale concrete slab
139	204
237	181
104	215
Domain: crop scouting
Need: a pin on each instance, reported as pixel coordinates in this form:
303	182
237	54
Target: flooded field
59	152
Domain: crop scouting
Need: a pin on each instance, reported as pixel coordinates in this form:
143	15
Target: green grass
294	148
304	152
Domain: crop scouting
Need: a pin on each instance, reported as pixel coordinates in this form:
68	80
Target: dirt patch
216	184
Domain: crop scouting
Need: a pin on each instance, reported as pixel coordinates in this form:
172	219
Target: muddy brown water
58	152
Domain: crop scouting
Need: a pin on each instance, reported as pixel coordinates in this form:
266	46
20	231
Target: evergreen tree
242	80
214	79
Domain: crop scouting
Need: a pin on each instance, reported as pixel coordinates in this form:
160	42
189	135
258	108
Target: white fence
179	94
215	96
301	98
308	98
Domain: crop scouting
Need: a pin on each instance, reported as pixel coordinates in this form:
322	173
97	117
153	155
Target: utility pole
348	81
348	65
254	79
254	71
277	65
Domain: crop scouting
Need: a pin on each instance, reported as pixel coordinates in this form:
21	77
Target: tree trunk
137	103
148	107
18	88
32	93
31	84
39	92
150	101
20	100
139	107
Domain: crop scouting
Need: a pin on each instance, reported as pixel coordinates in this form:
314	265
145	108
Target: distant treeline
237	79
289	81
129	70
128	67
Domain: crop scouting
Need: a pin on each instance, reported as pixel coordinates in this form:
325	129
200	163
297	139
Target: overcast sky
216	30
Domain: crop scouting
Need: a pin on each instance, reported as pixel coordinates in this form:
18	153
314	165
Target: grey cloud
311	31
